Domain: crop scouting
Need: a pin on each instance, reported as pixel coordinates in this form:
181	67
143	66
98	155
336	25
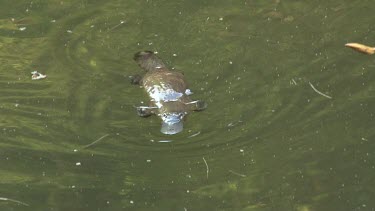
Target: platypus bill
168	92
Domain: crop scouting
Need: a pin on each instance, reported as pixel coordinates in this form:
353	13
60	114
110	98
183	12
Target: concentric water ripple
267	141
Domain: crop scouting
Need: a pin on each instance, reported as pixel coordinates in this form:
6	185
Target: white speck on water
73	186
16	105
78	163
131	202
53	21
92	26
152	140
187	191
174	54
69	31
230	62
148	161
22	28
150	43
241	150
75	150
220	19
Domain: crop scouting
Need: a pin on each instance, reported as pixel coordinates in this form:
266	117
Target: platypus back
148	61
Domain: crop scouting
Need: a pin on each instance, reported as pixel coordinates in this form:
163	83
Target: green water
267	140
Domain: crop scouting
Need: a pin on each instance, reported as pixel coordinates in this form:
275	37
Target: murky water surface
267	141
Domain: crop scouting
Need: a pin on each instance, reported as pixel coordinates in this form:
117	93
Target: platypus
168	91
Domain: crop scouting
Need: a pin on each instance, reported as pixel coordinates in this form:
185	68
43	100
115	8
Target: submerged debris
195	134
317	91
238	174
13	200
361	48
207	169
36	75
96	141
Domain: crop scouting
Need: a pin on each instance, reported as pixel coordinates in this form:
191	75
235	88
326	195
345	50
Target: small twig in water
13	200
195	134
238	174
122	22
317	91
99	139
208	170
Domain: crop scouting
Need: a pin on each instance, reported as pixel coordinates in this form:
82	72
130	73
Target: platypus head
172	122
148	61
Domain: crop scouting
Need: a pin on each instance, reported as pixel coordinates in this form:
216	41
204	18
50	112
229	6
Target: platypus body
168	92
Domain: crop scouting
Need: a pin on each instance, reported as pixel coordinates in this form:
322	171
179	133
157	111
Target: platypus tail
148	61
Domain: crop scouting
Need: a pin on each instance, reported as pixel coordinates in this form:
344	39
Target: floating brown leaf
361	48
